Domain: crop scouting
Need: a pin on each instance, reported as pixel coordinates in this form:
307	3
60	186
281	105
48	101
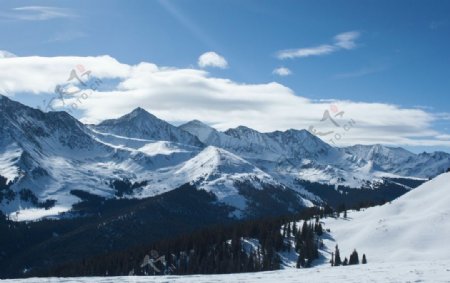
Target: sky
349	71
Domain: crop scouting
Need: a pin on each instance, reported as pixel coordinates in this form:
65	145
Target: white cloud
37	13
212	59
282	71
443	137
41	74
6	54
344	40
179	95
306	52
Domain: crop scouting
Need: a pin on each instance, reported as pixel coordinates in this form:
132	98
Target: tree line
215	250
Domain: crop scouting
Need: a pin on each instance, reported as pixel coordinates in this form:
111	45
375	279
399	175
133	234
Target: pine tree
337	257
304	230
354	258
345	262
301	260
364	260
288	231
344	209
318	229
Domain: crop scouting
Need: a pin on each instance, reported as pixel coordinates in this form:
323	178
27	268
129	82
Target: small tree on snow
354	258
345	262
337	257
364	260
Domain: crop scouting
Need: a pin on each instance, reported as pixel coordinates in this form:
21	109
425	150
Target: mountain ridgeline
46	156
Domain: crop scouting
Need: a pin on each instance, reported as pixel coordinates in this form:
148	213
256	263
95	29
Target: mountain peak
380	149
217	160
245	129
242	131
195	123
138	115
143	125
139	112
199	129
301	133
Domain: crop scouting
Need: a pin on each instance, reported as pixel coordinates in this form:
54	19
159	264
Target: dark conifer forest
117	237
209	251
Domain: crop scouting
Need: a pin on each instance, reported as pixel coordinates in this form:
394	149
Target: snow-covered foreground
404	241
376	272
415	226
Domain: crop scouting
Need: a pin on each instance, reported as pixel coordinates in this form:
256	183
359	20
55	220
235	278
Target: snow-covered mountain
252	144
223	174
206	134
382	157
143	125
298	155
289	156
52	154
413	227
399	161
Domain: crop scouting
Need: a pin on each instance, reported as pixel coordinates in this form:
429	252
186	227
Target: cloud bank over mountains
183	94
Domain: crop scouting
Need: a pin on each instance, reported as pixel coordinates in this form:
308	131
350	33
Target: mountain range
46	157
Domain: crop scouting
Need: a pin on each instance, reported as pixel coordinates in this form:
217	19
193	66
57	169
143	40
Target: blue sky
398	55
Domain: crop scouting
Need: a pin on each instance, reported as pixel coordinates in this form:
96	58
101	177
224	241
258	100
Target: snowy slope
9	154
217	171
424	271
412	227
